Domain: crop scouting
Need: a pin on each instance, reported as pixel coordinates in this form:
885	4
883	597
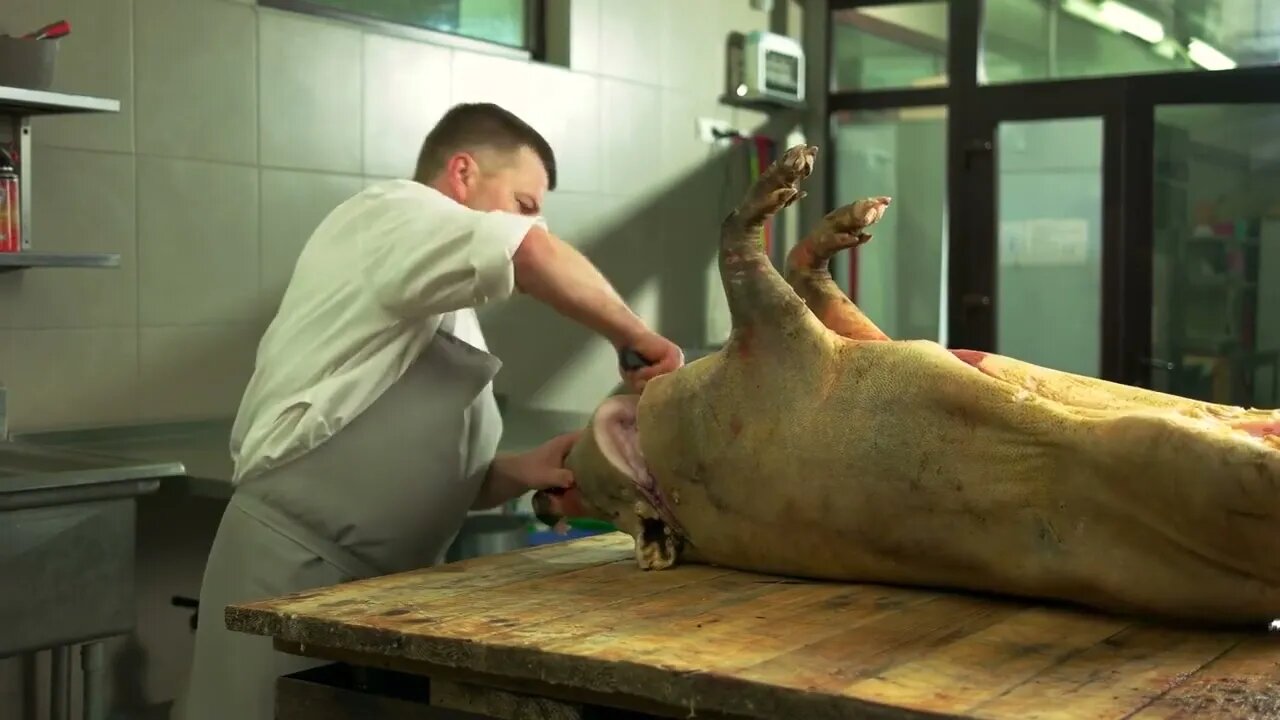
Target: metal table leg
60	683
92	660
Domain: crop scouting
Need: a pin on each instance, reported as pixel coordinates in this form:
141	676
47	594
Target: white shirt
369	291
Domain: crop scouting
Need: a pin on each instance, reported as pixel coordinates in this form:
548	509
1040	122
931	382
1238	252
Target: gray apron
387	493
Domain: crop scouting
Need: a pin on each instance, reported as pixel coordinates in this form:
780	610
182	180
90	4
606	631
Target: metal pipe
60	683
92	662
1051	42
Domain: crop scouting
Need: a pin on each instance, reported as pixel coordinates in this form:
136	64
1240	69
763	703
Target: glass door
1048	274
1215	330
1037	273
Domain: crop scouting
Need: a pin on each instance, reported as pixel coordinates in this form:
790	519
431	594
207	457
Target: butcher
369	426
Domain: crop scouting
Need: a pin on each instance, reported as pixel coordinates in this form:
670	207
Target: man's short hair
473	126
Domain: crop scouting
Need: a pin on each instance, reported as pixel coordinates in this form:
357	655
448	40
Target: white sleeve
423	254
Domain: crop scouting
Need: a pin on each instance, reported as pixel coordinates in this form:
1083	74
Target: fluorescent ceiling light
1132	21
1086	10
1207	56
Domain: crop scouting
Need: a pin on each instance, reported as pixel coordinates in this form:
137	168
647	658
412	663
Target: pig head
814	446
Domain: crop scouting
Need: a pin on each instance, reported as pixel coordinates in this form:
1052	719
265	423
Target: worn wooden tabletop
579	617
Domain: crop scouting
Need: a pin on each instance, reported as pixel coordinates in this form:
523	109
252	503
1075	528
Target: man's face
493	180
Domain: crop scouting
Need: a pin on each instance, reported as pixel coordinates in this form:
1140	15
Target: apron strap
327	550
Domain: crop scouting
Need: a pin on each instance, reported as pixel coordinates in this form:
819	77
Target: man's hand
513	474
662	355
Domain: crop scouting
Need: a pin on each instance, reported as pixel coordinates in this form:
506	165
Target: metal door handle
972	300
1158	364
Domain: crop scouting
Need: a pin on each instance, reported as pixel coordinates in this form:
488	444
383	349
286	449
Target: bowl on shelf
26	63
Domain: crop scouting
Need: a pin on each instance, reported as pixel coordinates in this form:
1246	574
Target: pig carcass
814	446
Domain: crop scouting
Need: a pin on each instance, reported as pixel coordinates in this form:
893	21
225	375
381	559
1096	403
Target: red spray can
10	206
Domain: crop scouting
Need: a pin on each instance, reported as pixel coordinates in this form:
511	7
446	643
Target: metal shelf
26	259
24	102
764	106
19	105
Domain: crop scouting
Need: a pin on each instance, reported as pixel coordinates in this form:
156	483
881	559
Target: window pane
1049	274
901	272
497	21
890	46
1216	304
1025	40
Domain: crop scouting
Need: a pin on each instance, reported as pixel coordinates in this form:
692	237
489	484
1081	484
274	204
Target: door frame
973	292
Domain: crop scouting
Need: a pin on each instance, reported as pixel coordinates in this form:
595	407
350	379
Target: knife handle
50	32
632	360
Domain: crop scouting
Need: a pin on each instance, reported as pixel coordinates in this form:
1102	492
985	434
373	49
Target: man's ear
462	172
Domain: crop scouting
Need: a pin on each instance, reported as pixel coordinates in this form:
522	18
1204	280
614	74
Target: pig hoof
777	187
796	163
856	217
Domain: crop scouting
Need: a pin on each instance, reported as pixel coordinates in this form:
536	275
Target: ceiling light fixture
1132	21
1208	57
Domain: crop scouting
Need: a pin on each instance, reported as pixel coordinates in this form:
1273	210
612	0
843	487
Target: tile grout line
137	212
257	139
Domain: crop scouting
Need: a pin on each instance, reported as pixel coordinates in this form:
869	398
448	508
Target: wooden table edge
600	696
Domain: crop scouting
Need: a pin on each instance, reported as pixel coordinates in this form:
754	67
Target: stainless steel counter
67	554
201	447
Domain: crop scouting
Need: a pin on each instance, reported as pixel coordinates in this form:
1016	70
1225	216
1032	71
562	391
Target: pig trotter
807	271
757	294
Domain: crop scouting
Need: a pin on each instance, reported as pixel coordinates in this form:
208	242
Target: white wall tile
72	378
310	93
95	59
10	294
489	78
406	91
171	360
584	35
682	151
568	116
293	204
196	80
630	136
83	202
6	357
197	242
630	38
691	55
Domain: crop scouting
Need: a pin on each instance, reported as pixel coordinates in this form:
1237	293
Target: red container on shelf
10	206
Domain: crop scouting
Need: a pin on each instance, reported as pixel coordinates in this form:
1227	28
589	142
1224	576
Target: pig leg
807	271
758	296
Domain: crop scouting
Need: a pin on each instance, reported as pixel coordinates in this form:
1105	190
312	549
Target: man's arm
554	272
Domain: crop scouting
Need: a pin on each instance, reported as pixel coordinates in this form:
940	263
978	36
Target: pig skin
813	446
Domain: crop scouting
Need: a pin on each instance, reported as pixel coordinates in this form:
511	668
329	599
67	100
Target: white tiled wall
241	127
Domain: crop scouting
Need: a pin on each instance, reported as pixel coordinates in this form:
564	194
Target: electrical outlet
715	132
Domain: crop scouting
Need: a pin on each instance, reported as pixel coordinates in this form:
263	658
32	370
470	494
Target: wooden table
576	624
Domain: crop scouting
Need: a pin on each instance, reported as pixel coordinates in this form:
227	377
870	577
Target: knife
630	360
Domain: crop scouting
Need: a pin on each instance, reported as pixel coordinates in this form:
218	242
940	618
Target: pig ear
758	296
